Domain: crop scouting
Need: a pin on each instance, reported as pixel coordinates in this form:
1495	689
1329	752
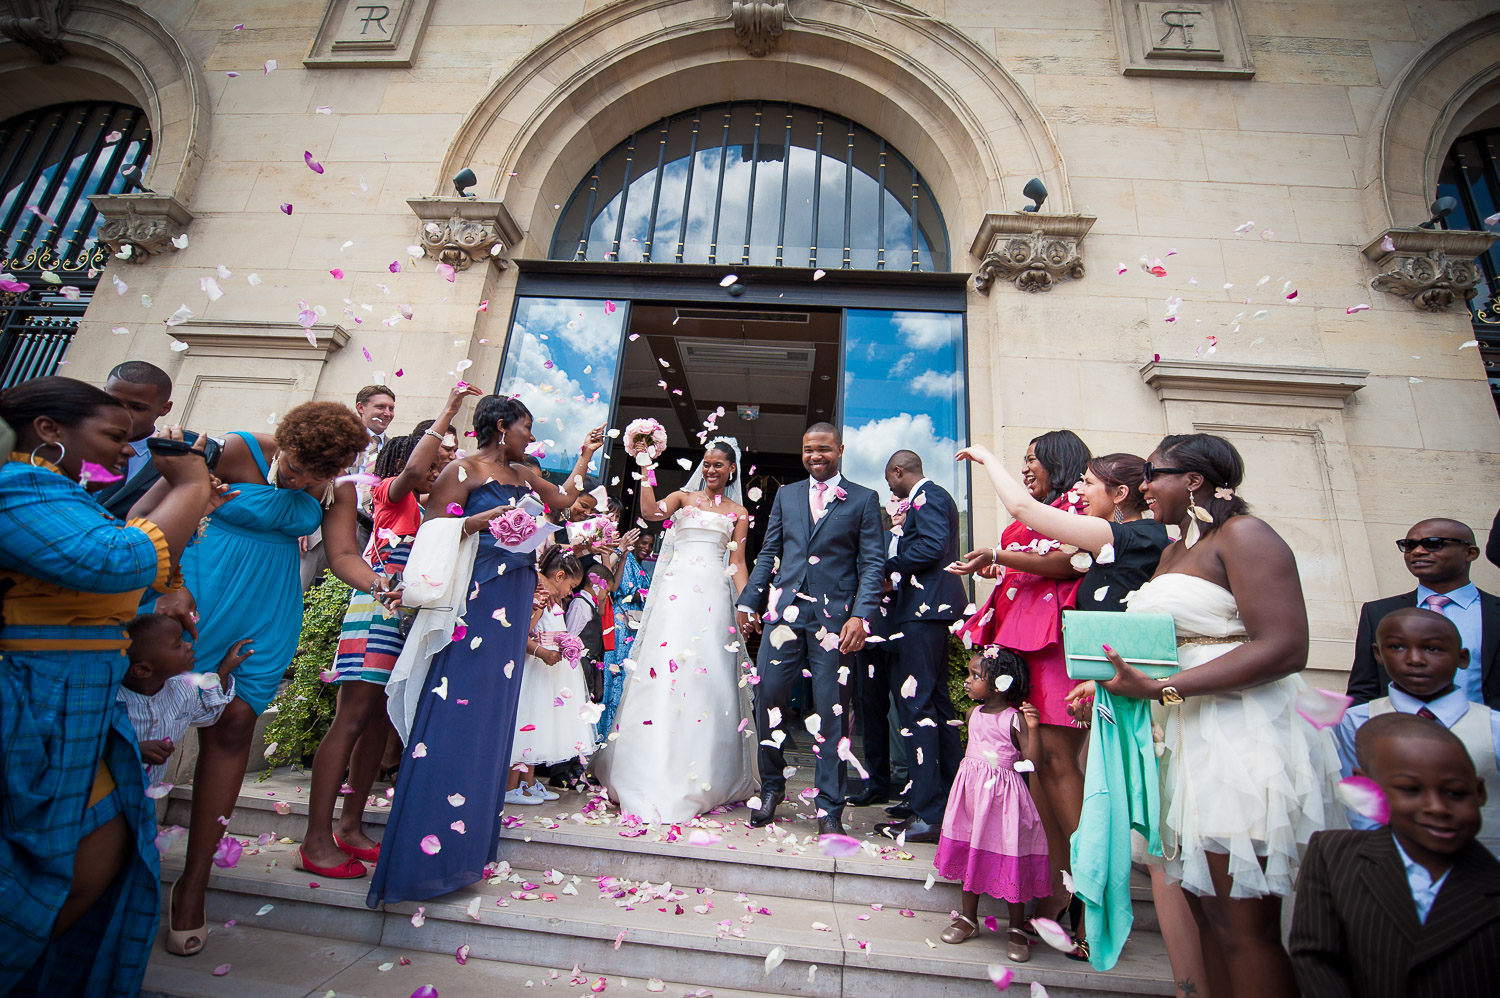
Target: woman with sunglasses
1245	781
1123	547
1024	614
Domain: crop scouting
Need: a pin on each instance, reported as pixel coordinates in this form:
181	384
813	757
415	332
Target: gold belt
1233	639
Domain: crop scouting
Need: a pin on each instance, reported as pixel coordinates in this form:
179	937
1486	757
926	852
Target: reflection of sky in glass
580	341
749	176
904	388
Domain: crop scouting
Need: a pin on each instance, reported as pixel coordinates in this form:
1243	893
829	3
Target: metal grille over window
51	160
755	183
1471	173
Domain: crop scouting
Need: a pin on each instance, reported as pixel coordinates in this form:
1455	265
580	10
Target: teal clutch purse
1147	641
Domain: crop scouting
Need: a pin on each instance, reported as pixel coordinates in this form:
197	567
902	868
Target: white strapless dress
1242	773
685	731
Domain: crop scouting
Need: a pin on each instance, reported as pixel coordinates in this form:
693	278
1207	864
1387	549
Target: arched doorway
51	160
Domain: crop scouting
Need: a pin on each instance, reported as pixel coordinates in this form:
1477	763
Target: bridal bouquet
520	530
645	439
595	530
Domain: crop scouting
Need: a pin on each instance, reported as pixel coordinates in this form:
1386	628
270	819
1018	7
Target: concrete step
309	967
784	863
856	949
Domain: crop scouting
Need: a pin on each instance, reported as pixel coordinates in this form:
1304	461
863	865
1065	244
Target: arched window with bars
755	183
51	160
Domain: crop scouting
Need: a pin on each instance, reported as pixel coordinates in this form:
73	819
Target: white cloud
924	330
867	448
941	385
583	326
552	395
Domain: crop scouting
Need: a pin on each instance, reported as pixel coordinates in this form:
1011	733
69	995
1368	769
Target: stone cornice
1253	384
259	339
461	231
1434	269
1032	250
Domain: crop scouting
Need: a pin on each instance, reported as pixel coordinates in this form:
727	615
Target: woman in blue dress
244	573
628	596
478	681
78	862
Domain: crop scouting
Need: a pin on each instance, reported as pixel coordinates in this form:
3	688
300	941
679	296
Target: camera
212	448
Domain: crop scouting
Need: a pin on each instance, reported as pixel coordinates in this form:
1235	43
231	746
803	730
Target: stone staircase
711	915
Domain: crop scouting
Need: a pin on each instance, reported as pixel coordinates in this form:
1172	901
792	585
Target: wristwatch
1170	697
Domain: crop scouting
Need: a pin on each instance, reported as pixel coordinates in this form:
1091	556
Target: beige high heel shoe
184	942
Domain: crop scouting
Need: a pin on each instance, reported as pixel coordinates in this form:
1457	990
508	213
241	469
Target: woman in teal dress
467	730
244	575
78	861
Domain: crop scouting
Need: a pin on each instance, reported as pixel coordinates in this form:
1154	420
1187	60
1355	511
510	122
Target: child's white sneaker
520	796
537	790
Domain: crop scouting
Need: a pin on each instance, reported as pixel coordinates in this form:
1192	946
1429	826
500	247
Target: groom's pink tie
820	496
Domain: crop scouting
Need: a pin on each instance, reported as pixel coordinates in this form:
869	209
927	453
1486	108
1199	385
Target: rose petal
91	472
312	164
221	970
1052	934
462	954
426	990
430	845
1321	708
1364	797
774	958
838	846
1001	975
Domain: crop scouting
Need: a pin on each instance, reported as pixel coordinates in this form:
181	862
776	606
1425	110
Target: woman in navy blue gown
453	788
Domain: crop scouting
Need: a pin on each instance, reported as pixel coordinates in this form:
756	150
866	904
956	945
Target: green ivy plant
304	709
958	671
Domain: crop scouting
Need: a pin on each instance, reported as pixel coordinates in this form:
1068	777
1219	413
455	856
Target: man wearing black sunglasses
1438	554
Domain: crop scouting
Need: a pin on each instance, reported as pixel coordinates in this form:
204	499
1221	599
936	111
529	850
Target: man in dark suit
1412	910
146	391
925	602
872	687
1438	553
821	561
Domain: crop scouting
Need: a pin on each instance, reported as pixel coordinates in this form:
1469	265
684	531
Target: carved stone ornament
1031	250
139	226
758	24
37	24
462	231
1434	269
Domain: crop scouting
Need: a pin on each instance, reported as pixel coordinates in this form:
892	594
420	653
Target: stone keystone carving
462	231
1434	269
1033	251
139	226
758	24
37	24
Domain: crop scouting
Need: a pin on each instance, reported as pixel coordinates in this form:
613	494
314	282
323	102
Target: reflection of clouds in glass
591	335
551	395
925	330
868	447
933	383
903	365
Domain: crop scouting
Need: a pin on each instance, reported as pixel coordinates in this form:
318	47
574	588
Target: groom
823	545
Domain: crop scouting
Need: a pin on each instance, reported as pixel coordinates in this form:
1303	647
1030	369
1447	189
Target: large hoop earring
62	452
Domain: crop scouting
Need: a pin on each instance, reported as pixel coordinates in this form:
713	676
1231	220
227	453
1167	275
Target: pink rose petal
312	164
430	845
1001	975
1364	797
1320	708
228	853
286	208
221	970
338	273
1052	934
446	269
459	630
425	991
14	287
91	472
1356	308
462	954
838	846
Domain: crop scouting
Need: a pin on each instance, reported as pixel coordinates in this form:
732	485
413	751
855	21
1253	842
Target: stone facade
1322	123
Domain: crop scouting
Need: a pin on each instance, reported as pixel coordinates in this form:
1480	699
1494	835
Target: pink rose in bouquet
513	528
645	439
569	644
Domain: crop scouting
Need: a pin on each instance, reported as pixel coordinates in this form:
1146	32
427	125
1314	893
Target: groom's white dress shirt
813	508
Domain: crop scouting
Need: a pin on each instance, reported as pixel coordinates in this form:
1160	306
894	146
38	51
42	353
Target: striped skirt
369	641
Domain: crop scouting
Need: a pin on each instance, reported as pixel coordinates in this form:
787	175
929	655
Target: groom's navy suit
830	571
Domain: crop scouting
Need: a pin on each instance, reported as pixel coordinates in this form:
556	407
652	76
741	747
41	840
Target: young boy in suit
1422	652
1412	910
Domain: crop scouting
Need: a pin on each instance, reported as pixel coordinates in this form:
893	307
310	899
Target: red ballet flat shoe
350	869
369	855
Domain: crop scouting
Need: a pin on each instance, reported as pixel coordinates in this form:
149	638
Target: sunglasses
1430	544
1152	471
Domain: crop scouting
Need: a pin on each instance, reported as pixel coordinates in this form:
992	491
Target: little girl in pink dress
992	839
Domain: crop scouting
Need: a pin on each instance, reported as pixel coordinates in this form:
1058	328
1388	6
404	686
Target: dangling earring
62	452
1119	516
1191	535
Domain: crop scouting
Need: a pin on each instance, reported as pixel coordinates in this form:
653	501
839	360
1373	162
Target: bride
681	745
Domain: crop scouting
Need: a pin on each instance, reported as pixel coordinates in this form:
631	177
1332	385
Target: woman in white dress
1245	781
684	736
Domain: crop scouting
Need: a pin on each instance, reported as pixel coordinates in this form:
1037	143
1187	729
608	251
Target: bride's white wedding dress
685	731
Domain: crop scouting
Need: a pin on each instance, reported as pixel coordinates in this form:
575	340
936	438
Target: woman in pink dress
1024	614
992	840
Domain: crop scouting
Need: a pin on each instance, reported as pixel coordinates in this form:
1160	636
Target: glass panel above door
905	389
755	182
561	360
